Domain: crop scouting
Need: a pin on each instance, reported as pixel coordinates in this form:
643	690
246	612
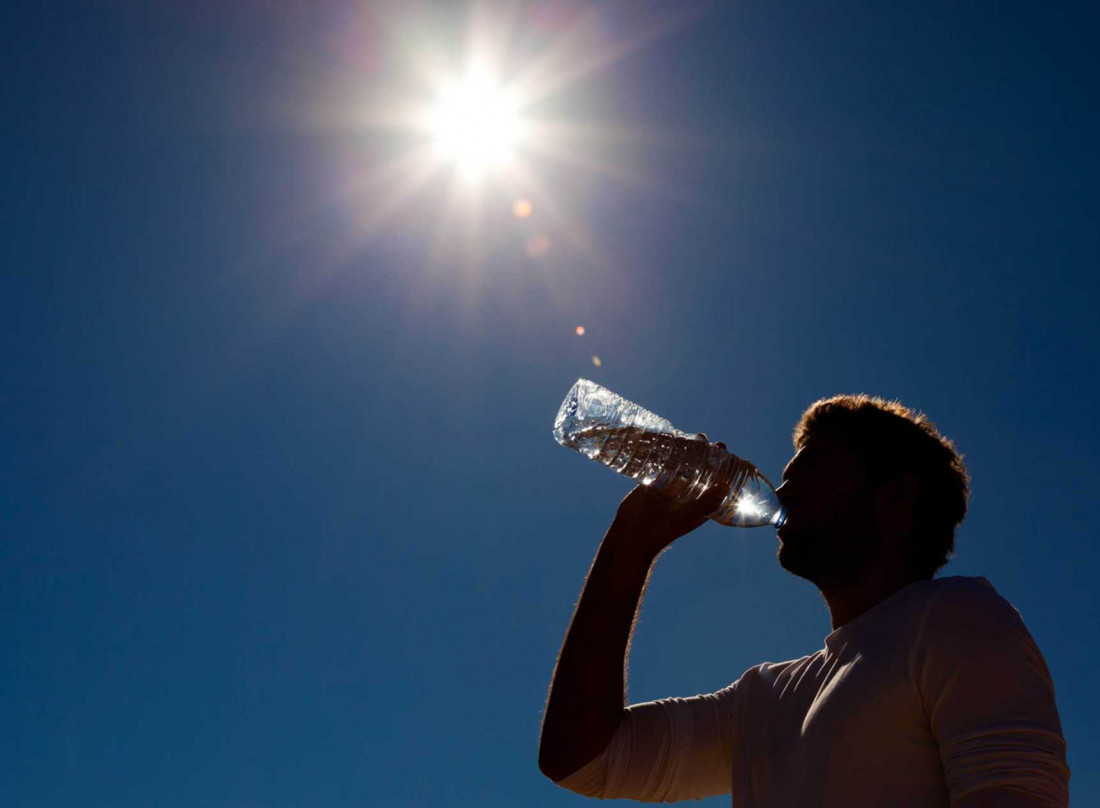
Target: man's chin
825	569
795	560
804	562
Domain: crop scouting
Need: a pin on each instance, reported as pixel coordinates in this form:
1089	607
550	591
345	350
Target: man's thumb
712	500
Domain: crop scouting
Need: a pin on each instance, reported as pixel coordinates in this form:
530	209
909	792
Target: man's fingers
703	505
713	498
703	437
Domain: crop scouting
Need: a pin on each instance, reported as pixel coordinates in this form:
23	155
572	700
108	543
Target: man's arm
990	701
588	690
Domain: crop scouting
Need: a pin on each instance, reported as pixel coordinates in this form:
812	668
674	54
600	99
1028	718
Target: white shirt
935	692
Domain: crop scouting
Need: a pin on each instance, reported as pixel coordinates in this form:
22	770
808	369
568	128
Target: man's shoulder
960	592
963	583
969	612
923	605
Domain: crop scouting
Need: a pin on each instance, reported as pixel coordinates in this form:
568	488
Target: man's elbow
561	770
553	766
566	750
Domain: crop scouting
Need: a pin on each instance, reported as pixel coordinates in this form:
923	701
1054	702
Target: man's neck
849	601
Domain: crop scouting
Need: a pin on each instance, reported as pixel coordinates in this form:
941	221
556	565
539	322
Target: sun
475	123
481	125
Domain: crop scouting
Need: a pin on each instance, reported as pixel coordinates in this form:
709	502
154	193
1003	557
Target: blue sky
284	524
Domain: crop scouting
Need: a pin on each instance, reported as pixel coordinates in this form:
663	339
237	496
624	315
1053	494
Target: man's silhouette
928	692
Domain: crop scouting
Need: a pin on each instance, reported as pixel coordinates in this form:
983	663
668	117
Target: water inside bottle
679	467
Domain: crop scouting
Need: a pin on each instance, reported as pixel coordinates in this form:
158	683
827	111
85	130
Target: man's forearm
588	689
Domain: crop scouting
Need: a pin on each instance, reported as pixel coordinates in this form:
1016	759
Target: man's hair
893	439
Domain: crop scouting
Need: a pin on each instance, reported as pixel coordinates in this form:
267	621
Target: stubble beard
830	564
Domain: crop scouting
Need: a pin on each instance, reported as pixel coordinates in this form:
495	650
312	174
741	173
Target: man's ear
896	503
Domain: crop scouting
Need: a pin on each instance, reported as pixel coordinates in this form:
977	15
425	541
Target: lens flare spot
580	330
522	208
538	246
596	361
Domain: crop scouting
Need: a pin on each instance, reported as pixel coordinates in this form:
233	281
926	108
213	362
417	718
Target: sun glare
479	126
474	123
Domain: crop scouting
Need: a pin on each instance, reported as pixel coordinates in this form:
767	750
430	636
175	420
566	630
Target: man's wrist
631	548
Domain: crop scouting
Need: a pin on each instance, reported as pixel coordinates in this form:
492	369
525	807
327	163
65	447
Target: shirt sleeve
665	751
989	697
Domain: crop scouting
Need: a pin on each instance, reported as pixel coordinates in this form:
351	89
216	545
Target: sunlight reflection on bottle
749	507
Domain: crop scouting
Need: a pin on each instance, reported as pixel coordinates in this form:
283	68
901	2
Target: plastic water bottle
607	428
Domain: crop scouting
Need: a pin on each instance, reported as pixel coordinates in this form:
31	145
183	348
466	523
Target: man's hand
651	521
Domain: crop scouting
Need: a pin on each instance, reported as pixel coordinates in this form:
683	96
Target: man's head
871	482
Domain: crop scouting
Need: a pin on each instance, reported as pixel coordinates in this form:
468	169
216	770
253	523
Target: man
928	692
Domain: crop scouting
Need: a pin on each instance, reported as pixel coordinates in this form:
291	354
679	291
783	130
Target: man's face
830	536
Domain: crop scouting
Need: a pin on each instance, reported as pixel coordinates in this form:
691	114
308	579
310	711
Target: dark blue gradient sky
283	521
